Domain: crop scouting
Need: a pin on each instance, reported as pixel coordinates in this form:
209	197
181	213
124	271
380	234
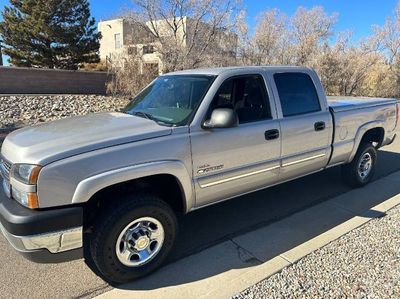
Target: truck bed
355	115
343	103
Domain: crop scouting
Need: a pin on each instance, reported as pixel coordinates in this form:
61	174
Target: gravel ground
365	263
27	110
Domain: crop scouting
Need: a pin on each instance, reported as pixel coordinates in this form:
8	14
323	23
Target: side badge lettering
207	168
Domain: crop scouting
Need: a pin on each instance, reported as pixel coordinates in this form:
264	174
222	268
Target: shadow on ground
220	225
211	225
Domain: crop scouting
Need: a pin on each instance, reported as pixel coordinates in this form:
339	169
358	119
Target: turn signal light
33	201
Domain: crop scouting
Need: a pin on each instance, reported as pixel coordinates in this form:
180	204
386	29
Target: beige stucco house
122	37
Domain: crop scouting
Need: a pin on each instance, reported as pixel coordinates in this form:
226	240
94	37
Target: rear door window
297	93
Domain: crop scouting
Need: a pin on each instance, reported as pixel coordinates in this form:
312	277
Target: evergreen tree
49	33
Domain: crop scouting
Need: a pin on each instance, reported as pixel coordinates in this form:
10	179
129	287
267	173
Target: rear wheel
133	239
361	170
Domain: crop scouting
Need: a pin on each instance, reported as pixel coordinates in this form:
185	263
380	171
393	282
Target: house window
117	40
148	49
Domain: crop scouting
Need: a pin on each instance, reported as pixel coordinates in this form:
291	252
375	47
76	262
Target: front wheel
360	171
133	239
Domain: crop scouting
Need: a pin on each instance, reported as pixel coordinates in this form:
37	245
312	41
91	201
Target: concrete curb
230	267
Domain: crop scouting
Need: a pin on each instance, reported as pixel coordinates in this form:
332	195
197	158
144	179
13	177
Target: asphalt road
22	279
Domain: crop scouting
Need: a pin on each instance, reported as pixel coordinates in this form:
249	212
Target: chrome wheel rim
139	242
365	166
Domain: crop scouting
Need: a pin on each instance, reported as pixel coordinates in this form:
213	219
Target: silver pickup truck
190	139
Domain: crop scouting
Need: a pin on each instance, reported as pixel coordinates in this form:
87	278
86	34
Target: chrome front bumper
55	242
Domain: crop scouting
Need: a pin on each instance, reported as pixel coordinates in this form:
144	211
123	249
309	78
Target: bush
130	77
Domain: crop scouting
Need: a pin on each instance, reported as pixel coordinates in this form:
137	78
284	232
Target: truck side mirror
222	118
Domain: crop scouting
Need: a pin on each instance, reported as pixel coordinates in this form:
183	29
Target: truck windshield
171	100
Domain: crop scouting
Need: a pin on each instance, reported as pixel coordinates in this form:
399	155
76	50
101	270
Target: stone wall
44	81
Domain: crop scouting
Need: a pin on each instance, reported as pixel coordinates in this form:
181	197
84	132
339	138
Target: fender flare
91	185
360	134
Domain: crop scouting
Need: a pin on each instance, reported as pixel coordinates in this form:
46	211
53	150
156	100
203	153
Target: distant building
124	37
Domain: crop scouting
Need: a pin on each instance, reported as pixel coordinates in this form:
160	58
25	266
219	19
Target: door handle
271	134
319	126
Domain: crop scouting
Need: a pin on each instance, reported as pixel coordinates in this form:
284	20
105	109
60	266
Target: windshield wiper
150	117
143	114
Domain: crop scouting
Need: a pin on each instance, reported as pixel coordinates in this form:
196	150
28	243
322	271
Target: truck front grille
5	168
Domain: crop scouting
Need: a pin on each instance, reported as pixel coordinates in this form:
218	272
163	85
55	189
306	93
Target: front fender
91	185
360	134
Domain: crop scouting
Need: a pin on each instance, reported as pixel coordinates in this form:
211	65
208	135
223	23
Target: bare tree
344	66
387	36
309	29
278	39
387	41
244	52
266	45
195	33
190	33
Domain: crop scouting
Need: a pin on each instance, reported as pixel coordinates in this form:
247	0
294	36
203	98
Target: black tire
109	226
351	173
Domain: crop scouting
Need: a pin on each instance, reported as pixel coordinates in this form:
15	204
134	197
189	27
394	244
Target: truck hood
46	143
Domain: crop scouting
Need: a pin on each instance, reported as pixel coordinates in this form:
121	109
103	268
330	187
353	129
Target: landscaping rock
365	263
25	110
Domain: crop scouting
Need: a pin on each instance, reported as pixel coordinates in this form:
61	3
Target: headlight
27	199
26	173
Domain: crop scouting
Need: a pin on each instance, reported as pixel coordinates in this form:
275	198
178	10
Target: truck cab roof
233	70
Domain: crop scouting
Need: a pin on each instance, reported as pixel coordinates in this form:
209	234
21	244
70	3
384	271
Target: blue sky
357	15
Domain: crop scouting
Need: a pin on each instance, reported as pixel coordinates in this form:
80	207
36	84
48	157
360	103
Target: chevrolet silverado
188	140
